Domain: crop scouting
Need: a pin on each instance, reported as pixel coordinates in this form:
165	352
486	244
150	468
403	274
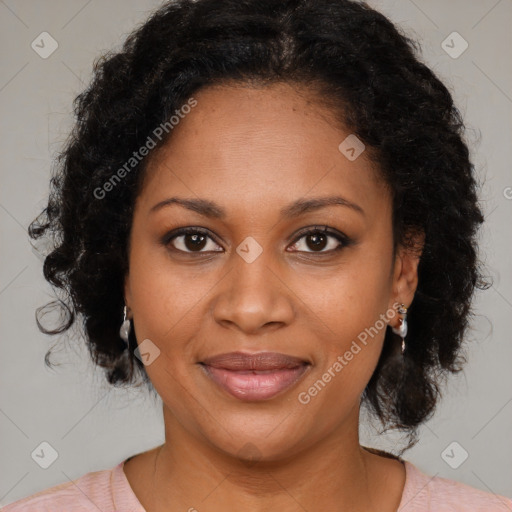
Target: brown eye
190	240
194	242
317	241
320	240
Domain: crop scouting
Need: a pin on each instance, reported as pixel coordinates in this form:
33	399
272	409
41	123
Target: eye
317	239
197	240
190	240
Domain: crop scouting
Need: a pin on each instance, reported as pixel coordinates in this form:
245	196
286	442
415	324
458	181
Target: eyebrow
210	209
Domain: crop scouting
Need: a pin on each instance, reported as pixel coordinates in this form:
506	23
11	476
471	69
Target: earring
401	330
125	329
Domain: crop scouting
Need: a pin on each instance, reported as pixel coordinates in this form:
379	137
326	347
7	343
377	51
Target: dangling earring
401	330
125	329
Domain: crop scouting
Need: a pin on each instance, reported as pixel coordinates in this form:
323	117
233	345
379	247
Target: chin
259	437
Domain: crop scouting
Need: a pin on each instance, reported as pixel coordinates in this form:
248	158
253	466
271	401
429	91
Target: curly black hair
361	65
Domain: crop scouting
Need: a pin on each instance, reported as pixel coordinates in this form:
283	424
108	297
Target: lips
260	361
257	376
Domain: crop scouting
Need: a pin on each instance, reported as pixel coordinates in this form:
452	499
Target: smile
254	377
255	385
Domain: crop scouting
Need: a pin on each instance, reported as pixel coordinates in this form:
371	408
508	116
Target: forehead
268	145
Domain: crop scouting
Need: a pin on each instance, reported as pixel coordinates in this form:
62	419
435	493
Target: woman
267	214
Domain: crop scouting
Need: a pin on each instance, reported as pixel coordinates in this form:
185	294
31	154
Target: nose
253	297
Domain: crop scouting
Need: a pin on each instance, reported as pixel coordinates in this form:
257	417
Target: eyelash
343	239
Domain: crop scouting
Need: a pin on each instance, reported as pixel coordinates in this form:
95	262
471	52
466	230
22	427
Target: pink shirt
109	491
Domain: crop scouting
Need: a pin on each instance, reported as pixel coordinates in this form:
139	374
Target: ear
405	272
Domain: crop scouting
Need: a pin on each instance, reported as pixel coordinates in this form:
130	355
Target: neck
335	473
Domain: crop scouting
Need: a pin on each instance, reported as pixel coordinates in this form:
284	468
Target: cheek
351	306
349	299
348	363
166	300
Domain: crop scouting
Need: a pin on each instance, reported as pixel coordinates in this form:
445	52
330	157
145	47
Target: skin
254	151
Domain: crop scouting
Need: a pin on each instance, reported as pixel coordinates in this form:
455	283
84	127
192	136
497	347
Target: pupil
318	241
198	241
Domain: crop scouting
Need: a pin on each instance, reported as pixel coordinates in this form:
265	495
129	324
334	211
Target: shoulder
436	494
92	491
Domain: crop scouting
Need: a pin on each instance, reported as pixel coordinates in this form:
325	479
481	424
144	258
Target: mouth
254	377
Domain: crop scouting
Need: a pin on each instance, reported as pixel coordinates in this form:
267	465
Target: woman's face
256	282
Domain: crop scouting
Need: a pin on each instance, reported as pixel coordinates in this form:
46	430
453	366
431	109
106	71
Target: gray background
92	426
